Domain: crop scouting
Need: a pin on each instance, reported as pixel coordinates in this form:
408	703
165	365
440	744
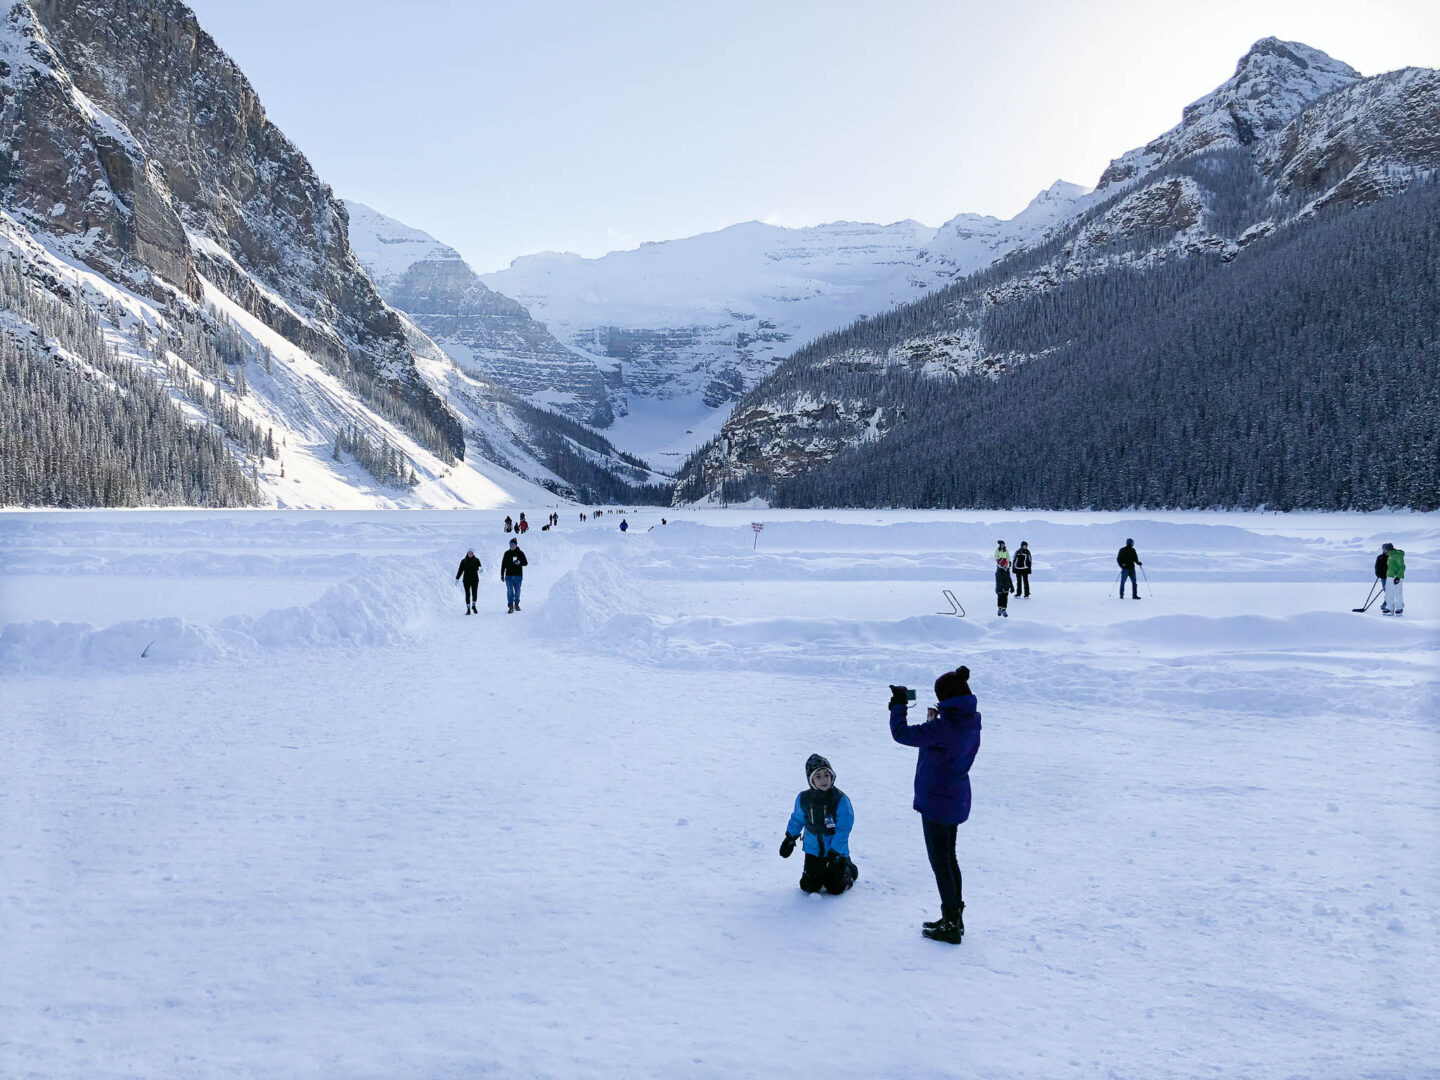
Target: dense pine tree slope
1273	158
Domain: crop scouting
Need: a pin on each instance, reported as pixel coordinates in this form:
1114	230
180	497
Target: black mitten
899	695
787	846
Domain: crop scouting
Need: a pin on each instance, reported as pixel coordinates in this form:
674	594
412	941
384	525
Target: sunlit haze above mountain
506	129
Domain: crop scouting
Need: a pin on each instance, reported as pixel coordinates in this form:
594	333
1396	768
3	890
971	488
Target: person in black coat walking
512	572
1128	559
1022	570
470	572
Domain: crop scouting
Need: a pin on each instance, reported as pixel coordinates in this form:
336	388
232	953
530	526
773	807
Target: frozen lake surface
328	826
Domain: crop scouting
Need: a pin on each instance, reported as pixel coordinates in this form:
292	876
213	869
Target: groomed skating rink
328	826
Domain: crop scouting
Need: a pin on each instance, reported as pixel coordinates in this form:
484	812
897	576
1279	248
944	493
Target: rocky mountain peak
1273	83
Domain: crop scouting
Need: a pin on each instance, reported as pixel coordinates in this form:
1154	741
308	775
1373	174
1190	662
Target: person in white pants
1394	580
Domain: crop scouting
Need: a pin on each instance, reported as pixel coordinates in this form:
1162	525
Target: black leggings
1022	582
472	591
940	846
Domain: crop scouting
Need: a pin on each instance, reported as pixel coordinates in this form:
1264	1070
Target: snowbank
378	607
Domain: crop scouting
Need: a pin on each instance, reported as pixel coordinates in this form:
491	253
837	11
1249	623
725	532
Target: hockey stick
954	604
1370	597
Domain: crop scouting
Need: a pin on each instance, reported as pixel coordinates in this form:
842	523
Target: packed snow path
331	827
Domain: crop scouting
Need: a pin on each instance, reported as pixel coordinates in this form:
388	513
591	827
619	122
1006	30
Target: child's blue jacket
823	845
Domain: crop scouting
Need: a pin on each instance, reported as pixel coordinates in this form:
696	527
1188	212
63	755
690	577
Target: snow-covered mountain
686	326
1291	134
184	320
486	333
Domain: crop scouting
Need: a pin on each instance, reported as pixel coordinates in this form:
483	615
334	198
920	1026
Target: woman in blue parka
948	742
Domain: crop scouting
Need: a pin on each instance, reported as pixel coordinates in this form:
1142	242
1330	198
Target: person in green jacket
1394	580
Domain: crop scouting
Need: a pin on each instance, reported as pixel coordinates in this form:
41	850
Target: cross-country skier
1128	559
948	742
1021	566
1394	580
512	572
470	571
824	815
1003	587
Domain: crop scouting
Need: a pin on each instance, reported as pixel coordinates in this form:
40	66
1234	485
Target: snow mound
383	605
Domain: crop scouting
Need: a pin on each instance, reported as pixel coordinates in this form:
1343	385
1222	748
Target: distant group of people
823	815
522	526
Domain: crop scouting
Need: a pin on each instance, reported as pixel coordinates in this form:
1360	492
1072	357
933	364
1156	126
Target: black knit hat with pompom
953	683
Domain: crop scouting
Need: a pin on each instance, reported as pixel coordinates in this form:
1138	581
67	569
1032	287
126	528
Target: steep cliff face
489	334
75	174
1292	133
261	224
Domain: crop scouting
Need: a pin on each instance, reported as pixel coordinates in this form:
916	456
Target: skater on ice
512	572
824	816
470	572
1021	566
948	742
1128	559
1004	586
1000	552
1394	580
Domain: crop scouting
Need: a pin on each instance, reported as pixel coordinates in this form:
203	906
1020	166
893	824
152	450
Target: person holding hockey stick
1394	580
948	742
824	816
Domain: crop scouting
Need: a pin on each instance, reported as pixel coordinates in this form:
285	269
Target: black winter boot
940	923
949	931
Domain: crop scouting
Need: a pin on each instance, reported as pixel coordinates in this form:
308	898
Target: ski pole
1146	576
1120	580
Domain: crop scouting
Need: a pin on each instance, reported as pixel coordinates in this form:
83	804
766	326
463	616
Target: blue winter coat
948	745
823	845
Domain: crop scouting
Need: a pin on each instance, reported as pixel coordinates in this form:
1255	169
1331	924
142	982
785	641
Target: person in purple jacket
948	742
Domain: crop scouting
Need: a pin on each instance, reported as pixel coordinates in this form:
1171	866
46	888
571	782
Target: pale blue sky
505	129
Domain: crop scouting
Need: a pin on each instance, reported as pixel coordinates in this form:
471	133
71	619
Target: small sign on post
758	526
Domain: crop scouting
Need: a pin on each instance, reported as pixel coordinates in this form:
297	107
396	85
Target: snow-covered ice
330	827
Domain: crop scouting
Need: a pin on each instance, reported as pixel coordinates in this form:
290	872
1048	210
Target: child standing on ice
824	816
1004	585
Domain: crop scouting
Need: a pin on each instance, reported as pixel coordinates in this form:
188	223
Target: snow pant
512	589
834	873
1395	595
1002	600
472	590
1128	572
1022	582
940	846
